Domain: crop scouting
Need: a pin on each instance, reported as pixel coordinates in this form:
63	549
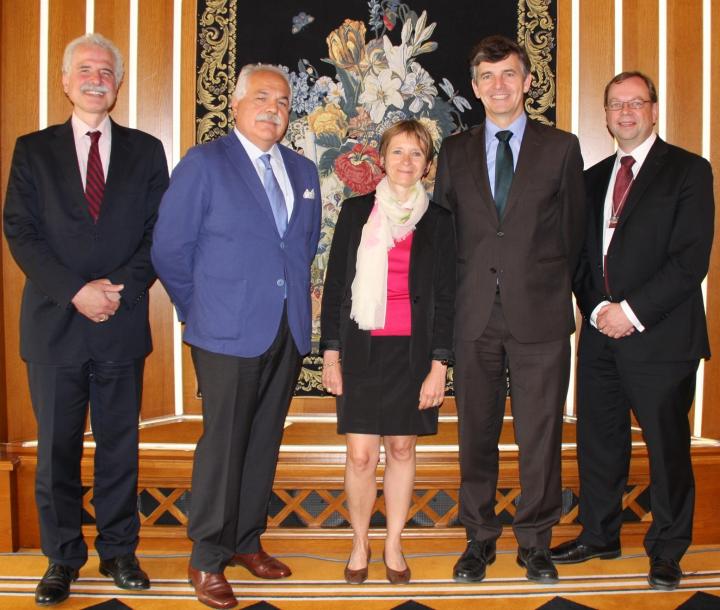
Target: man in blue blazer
237	231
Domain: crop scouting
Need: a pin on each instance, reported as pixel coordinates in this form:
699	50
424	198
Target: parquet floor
317	581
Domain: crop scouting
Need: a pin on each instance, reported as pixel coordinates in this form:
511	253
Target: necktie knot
627	161
504	136
265	160
94	136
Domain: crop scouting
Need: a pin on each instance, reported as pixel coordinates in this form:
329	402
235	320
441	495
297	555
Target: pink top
397	313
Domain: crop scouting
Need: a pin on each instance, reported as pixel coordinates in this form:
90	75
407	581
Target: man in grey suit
516	190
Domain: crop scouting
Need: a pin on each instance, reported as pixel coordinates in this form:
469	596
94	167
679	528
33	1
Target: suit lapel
477	160
240	159
66	160
119	167
646	176
292	171
597	193
421	248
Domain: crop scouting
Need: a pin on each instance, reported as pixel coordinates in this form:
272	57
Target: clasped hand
612	321
98	300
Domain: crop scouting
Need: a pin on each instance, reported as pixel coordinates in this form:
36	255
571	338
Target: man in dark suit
515	188
84	244
650	229
237	232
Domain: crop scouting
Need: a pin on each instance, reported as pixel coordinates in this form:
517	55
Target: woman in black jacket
387	311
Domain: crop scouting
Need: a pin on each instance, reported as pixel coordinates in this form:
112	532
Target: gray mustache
268	116
87	88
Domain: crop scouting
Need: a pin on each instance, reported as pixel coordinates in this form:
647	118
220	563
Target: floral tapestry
357	67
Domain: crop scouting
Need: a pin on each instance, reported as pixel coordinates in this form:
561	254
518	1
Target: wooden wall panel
154	115
66	21
596	69
112	20
19	55
684	74
563	98
711	402
640	37
18	91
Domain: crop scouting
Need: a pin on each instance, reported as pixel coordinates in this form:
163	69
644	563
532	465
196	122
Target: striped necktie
94	179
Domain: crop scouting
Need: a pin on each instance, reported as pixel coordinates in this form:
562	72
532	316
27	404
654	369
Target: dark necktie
94	178
274	193
503	170
623	182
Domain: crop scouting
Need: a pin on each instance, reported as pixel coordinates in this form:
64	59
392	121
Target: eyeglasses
615	106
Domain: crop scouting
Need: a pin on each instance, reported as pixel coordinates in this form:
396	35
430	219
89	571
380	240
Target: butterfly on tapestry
356	68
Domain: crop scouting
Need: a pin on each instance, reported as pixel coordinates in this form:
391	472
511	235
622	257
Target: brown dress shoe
397	577
261	565
212	589
357	577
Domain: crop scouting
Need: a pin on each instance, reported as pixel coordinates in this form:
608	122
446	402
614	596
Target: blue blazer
218	253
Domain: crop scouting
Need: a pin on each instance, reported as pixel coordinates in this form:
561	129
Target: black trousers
60	396
660	395
245	401
539	375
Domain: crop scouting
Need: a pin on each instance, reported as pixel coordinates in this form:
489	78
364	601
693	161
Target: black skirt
384	399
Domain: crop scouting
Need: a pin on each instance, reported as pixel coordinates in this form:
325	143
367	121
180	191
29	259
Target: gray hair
97	40
250	69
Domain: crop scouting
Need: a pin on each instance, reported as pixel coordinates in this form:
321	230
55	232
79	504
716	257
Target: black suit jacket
533	250
432	288
658	256
59	248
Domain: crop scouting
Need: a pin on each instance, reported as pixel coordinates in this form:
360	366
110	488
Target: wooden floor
317	581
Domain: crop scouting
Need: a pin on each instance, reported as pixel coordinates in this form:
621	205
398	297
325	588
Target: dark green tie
503	170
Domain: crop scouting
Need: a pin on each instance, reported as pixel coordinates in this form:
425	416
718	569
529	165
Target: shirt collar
80	127
639	153
253	151
517	127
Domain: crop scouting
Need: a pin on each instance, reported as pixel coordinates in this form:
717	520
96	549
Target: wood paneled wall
587	58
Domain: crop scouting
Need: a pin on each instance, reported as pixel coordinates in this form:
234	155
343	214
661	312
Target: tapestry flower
419	86
380	92
360	168
328	119
346	46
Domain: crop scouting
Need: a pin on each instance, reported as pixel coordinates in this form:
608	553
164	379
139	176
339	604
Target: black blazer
432	288
533	251
657	259
59	248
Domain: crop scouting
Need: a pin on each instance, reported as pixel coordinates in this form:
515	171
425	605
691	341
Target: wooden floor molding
317	582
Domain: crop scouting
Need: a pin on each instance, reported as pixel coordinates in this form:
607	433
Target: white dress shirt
639	154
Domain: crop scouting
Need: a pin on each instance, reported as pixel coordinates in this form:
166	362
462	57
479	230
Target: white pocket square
309	194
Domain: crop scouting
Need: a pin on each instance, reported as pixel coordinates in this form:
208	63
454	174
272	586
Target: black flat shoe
126	572
54	587
575	551
474	561
665	574
538	565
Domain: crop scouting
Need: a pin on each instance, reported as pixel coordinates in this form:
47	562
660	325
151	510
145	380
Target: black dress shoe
665	574
538	565
55	584
575	551
473	562
126	572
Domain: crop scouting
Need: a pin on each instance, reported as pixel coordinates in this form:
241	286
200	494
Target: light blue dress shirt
491	143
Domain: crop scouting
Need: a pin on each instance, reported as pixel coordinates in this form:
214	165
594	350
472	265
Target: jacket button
493	270
500	234
280	282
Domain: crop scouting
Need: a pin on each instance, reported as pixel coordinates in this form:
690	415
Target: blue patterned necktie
274	193
503	170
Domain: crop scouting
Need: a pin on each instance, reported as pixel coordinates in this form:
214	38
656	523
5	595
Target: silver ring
104	318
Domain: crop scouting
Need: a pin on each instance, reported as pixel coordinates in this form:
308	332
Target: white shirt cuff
594	314
631	316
